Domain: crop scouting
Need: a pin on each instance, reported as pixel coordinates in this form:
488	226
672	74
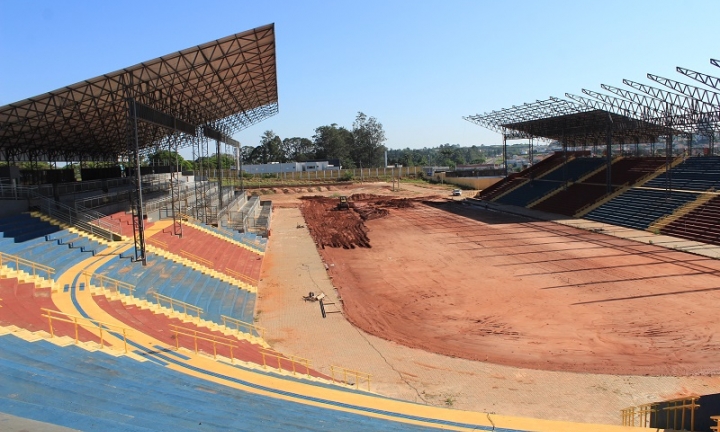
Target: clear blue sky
417	66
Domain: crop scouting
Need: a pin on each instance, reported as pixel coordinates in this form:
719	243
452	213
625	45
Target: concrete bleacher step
34	336
680	212
70	228
23	277
226	238
171	313
201	268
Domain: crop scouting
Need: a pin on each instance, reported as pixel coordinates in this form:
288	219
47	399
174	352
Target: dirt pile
346	229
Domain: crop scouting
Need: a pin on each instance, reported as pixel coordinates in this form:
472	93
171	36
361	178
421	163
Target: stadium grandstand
601	173
128	293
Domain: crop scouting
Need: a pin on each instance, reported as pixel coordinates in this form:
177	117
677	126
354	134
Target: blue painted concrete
94	391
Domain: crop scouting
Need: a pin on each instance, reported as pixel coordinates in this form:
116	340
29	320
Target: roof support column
668	162
137	204
505	153
219	176
608	156
530	152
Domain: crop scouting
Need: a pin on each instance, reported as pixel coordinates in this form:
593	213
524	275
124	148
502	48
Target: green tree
166	157
270	148
368	140
298	149
333	142
210	162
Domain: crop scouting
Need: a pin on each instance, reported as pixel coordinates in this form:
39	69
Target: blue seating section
249	239
183	283
696	173
41	242
638	208
71	387
24	227
538	188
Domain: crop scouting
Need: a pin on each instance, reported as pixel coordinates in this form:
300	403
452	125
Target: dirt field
433	274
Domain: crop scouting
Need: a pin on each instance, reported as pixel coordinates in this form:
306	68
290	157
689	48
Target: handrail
157	242
159	298
71	216
292	359
640	416
259	330
238	275
178	331
73	319
36	268
193	257
358	376
114	284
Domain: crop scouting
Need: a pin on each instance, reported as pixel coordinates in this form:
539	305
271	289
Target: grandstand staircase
520	184
661	170
568	185
204	269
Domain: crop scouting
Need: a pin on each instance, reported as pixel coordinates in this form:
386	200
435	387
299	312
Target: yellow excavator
343	204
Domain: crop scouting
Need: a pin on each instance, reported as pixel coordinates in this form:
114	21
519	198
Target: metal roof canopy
569	123
589	127
226	85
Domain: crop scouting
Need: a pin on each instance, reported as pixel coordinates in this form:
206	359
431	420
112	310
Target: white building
278	168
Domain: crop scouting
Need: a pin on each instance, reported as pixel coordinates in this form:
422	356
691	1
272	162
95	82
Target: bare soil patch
492	287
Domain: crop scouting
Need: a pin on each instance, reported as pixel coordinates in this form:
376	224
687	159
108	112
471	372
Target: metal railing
639	416
207	263
241	276
348	375
272	357
78	321
35	268
202	336
158	243
72	217
237	324
172	303
105	282
16	192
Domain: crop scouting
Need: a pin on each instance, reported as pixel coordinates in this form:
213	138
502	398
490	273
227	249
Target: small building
290	167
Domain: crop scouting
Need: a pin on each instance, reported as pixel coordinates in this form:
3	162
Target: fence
172	303
348	375
77	321
334	175
197	335
679	414
269	359
35	268
237	324
242	277
108	283
197	259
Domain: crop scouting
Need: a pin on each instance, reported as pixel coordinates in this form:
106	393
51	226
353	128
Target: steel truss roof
227	84
631	117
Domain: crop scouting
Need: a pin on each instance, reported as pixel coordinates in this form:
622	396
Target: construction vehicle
343	204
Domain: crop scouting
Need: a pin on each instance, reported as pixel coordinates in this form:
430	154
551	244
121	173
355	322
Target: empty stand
213	252
638	208
539	187
701	224
39	241
179	282
578	195
695	173
23	304
96	391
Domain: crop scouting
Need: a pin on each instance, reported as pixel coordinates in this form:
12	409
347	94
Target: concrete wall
479	183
